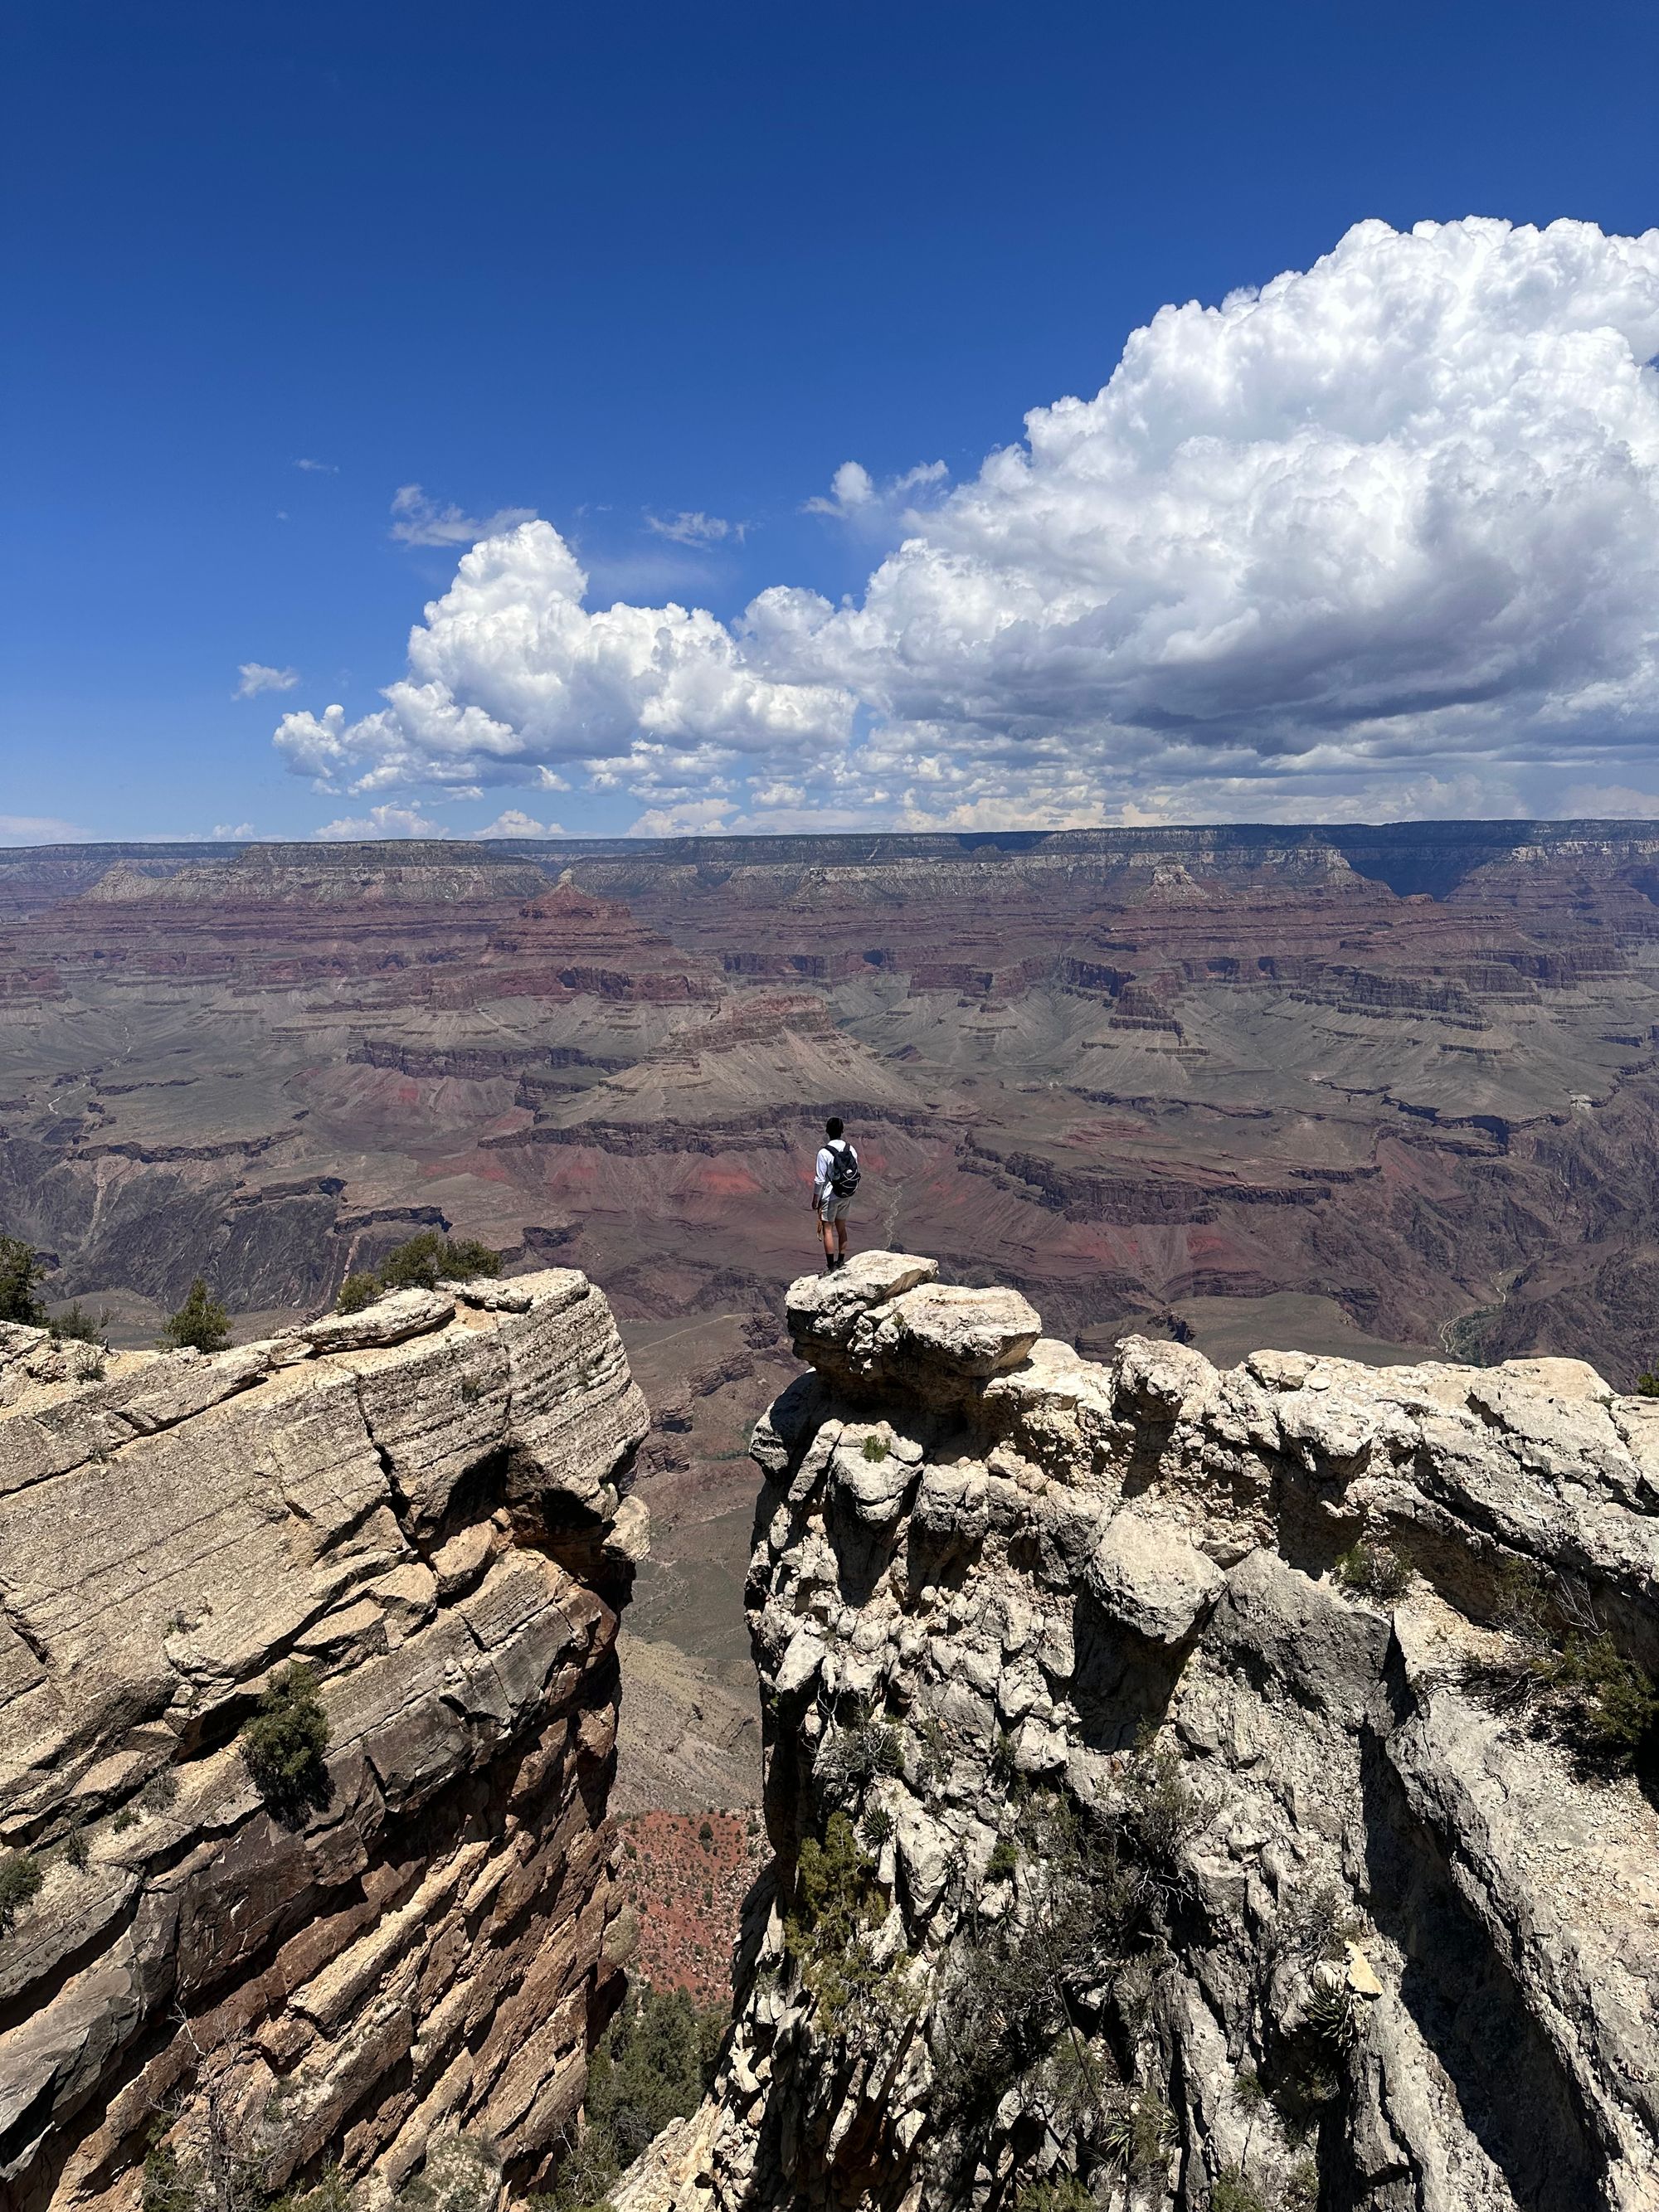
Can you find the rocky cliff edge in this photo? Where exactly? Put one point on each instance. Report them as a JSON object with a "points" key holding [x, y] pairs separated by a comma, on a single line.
{"points": [[1196, 1788], [423, 1502]]}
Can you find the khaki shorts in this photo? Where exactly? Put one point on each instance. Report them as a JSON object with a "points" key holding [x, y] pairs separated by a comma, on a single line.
{"points": [[831, 1208]]}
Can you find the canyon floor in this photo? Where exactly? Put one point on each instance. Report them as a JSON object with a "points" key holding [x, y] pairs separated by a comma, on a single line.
{"points": [[1365, 1092]]}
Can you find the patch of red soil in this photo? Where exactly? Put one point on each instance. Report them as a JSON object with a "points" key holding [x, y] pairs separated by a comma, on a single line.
{"points": [[686, 1875]]}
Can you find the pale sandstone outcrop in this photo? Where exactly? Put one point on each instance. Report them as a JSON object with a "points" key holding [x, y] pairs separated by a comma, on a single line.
{"points": [[422, 1501], [1041, 1557]]}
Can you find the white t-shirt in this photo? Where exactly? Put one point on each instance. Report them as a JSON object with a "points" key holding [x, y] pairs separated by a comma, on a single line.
{"points": [[824, 1168]]}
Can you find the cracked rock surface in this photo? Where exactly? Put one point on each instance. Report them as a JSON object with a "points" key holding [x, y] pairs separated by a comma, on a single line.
{"points": [[1119, 1834], [423, 1501]]}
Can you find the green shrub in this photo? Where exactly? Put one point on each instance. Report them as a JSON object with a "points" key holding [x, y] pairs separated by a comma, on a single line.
{"points": [[853, 1758], [1230, 2193], [126, 1818], [1064, 2193], [1566, 1672], [330, 2194], [654, 2064], [20, 1884], [1316, 1921], [20, 1271], [422, 1261], [76, 1849], [1372, 1570], [1647, 1385], [937, 1756], [837, 1901], [201, 1324], [1137, 2130], [161, 1791], [77, 1326], [419, 1263], [875, 1449], [461, 2174], [283, 1744], [1162, 1808], [168, 2184], [1301, 2190], [1002, 1862]]}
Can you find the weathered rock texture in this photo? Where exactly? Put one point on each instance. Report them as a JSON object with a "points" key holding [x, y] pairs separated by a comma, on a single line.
{"points": [[1335, 1874], [423, 1502]]}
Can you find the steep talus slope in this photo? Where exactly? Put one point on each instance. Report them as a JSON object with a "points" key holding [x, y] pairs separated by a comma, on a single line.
{"points": [[1120, 1834], [420, 1501]]}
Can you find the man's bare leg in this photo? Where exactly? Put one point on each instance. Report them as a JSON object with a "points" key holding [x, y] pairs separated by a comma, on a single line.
{"points": [[828, 1228], [841, 1231]]}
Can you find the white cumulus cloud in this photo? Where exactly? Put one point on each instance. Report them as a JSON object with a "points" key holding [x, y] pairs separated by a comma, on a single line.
{"points": [[512, 822], [256, 677], [695, 529], [381, 821], [418, 520], [1382, 534], [855, 497], [509, 674]]}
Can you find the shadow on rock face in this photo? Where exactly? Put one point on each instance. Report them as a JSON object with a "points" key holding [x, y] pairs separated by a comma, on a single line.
{"points": [[1124, 1683], [1510, 2090]]}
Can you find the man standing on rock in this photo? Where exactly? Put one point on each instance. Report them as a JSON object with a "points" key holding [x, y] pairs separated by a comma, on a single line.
{"points": [[835, 1179]]}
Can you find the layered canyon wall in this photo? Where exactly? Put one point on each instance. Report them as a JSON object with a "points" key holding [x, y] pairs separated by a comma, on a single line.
{"points": [[424, 1502], [1207, 1787]]}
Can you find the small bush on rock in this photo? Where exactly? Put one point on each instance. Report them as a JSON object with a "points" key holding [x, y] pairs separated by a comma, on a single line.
{"points": [[76, 1326], [1561, 1667], [1372, 1570], [19, 1885], [1065, 2193], [1231, 2192], [201, 1324], [654, 2064], [419, 1263], [854, 1758], [1002, 1862], [837, 1901], [285, 1742], [1163, 1808], [330, 2194], [875, 1449], [1301, 2190], [461, 2174]]}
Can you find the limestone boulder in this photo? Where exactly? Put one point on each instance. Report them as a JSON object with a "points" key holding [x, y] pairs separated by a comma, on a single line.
{"points": [[1149, 1576]]}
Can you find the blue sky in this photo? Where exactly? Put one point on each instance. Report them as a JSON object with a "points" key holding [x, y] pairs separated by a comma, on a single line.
{"points": [[610, 263]]}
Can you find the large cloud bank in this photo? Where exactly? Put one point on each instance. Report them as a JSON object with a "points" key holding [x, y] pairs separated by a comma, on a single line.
{"points": [[1381, 538]]}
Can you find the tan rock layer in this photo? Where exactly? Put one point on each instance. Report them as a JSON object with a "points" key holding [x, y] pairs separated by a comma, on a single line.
{"points": [[425, 1502]]}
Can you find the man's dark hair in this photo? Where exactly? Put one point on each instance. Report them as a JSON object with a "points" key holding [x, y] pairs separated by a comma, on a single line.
{"points": [[832, 1127]]}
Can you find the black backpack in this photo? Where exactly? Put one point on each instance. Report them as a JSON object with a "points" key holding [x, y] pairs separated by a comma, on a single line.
{"points": [[844, 1175]]}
